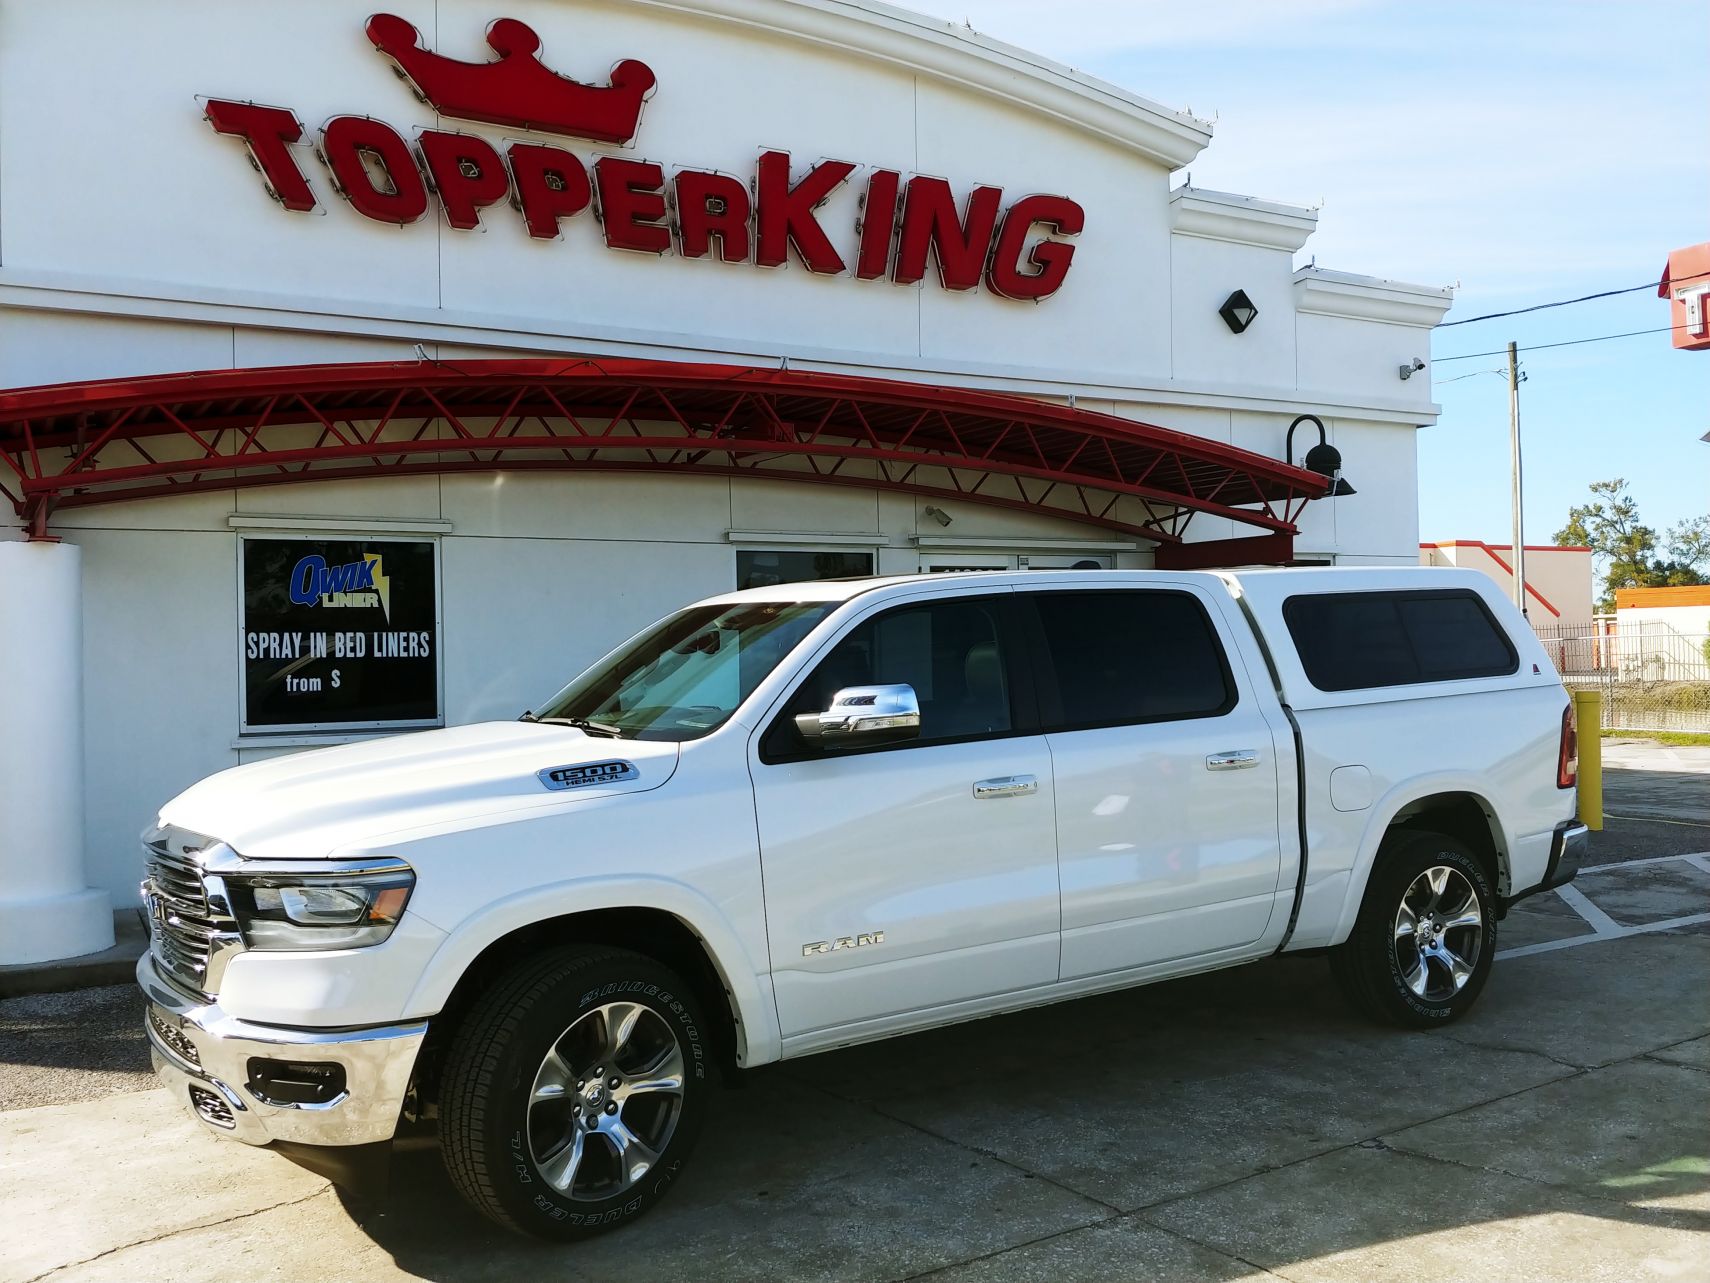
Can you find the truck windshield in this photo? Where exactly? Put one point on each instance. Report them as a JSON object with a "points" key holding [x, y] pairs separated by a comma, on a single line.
{"points": [[686, 675]]}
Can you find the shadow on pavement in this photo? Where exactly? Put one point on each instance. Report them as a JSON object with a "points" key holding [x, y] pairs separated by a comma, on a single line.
{"points": [[90, 1039], [1239, 1110]]}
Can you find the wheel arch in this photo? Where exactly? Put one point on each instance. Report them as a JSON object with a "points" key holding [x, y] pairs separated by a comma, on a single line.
{"points": [[1455, 807], [700, 947]]}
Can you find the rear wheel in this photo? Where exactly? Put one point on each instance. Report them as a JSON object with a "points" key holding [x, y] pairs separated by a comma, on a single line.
{"points": [[1421, 950], [574, 1091]]}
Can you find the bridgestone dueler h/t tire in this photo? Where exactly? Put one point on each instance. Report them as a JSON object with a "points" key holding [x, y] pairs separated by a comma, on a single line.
{"points": [[1367, 966], [490, 1074]]}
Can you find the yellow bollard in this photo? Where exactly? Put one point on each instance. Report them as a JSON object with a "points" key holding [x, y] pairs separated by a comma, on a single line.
{"points": [[1588, 716]]}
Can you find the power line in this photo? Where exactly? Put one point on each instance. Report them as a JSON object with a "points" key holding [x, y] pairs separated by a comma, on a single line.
{"points": [[1539, 347], [1539, 307], [1567, 302], [1437, 383]]}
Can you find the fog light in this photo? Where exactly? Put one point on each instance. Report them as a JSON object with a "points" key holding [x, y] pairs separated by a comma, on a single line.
{"points": [[296, 1082]]}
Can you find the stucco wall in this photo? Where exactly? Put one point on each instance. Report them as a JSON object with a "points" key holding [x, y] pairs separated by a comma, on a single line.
{"points": [[164, 253]]}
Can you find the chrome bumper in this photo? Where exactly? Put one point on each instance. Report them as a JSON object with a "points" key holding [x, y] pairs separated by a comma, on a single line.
{"points": [[1568, 846], [203, 1057]]}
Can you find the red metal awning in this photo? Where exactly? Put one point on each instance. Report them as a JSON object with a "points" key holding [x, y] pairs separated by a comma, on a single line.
{"points": [[74, 444]]}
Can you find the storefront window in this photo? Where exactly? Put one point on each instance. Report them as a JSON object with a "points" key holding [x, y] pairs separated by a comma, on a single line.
{"points": [[339, 634], [761, 569]]}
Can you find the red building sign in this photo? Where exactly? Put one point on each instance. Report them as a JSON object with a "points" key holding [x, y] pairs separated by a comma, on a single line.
{"points": [[905, 226], [1686, 284]]}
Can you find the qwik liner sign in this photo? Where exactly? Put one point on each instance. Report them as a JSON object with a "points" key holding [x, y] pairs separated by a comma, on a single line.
{"points": [[339, 633]]}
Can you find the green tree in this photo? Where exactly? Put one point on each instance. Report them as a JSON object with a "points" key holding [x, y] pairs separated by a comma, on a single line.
{"points": [[1627, 549]]}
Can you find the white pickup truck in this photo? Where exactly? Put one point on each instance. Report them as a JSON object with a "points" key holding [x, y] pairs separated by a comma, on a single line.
{"points": [[800, 817]]}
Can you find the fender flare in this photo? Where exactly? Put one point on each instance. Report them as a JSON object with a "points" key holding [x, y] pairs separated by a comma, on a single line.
{"points": [[1383, 813], [758, 1037]]}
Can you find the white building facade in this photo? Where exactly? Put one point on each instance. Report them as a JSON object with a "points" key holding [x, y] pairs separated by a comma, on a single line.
{"points": [[427, 268]]}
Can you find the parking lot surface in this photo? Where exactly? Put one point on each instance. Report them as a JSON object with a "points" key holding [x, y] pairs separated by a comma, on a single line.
{"points": [[1238, 1125]]}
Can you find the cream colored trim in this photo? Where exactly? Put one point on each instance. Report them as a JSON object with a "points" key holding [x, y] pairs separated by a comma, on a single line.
{"points": [[1027, 543], [337, 525], [959, 55], [1241, 220], [1367, 298], [804, 538], [64, 292]]}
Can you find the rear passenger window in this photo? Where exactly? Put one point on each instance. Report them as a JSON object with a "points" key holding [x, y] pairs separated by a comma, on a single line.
{"points": [[1125, 657], [1362, 640]]}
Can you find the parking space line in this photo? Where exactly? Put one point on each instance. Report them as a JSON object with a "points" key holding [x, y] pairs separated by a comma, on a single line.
{"points": [[1652, 819], [1600, 921], [1692, 858], [1604, 927], [1598, 937]]}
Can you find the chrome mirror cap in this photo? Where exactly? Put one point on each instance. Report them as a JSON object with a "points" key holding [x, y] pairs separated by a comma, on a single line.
{"points": [[864, 715]]}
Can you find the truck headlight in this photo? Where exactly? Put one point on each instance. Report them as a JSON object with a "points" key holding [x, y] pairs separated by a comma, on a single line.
{"points": [[344, 910]]}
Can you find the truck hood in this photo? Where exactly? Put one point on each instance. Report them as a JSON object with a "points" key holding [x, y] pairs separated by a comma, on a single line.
{"points": [[320, 803]]}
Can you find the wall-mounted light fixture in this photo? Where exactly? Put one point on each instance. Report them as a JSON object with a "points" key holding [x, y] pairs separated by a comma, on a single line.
{"points": [[1324, 458], [1410, 368], [937, 514], [1238, 311]]}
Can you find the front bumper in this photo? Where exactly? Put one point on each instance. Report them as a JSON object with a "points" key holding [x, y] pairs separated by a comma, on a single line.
{"points": [[203, 1057], [1568, 846]]}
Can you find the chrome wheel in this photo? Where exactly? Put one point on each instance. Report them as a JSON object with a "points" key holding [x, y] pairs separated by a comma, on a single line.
{"points": [[1438, 933], [605, 1101]]}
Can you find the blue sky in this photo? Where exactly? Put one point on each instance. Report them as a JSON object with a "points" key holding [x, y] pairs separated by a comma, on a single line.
{"points": [[1524, 151]]}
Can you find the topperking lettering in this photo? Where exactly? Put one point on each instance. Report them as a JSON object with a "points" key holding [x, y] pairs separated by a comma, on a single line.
{"points": [[905, 226]]}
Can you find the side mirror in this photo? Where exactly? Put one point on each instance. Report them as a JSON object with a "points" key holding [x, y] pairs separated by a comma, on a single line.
{"points": [[864, 715]]}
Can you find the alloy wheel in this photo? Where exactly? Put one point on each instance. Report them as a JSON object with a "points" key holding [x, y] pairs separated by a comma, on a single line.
{"points": [[605, 1101], [1438, 933]]}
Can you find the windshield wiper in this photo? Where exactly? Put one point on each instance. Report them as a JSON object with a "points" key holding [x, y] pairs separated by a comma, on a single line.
{"points": [[584, 725]]}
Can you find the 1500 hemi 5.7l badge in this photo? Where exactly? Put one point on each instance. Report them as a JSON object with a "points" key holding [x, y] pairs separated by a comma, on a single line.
{"points": [[575, 777]]}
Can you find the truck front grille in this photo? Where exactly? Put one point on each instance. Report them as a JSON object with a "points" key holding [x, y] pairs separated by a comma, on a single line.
{"points": [[188, 932]]}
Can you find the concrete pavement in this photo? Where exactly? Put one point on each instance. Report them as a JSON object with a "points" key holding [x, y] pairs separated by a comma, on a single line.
{"points": [[1236, 1126]]}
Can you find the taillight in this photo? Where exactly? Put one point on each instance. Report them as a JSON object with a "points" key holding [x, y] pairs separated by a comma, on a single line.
{"points": [[1567, 762]]}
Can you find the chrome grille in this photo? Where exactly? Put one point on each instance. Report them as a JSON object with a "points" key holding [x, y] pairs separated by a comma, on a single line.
{"points": [[182, 930], [181, 1046], [212, 1108]]}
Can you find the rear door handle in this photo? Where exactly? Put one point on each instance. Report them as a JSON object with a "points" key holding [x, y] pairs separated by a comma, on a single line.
{"points": [[1234, 759], [1006, 786]]}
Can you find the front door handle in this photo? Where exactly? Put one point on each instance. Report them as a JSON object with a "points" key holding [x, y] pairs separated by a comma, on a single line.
{"points": [[1006, 786], [1234, 759]]}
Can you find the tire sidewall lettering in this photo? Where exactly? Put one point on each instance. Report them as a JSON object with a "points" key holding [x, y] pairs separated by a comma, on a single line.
{"points": [[548, 1204], [1377, 939]]}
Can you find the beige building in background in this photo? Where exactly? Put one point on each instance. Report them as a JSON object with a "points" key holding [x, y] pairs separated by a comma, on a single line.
{"points": [[1558, 580]]}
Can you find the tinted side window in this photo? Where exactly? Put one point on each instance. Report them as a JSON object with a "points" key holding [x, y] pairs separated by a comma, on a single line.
{"points": [[951, 652], [1358, 641], [1125, 657], [1455, 637]]}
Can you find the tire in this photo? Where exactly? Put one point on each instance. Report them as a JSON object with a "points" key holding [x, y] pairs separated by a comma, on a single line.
{"points": [[518, 1092], [1423, 887]]}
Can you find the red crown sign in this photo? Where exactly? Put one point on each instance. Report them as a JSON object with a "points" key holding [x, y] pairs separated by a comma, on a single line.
{"points": [[516, 89]]}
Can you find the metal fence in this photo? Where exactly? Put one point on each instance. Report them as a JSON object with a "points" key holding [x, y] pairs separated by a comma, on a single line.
{"points": [[1652, 677]]}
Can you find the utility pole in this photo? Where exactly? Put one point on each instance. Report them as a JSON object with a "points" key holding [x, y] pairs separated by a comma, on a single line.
{"points": [[1519, 490]]}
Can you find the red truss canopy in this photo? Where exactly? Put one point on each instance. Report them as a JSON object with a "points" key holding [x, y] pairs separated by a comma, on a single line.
{"points": [[74, 444]]}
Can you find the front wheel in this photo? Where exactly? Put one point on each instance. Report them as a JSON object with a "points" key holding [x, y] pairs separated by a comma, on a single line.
{"points": [[1421, 950], [573, 1092]]}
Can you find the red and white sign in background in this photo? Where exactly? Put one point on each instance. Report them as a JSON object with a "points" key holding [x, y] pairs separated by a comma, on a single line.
{"points": [[1017, 251]]}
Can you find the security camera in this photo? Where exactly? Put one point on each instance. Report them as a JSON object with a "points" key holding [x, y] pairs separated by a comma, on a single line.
{"points": [[1407, 371]]}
